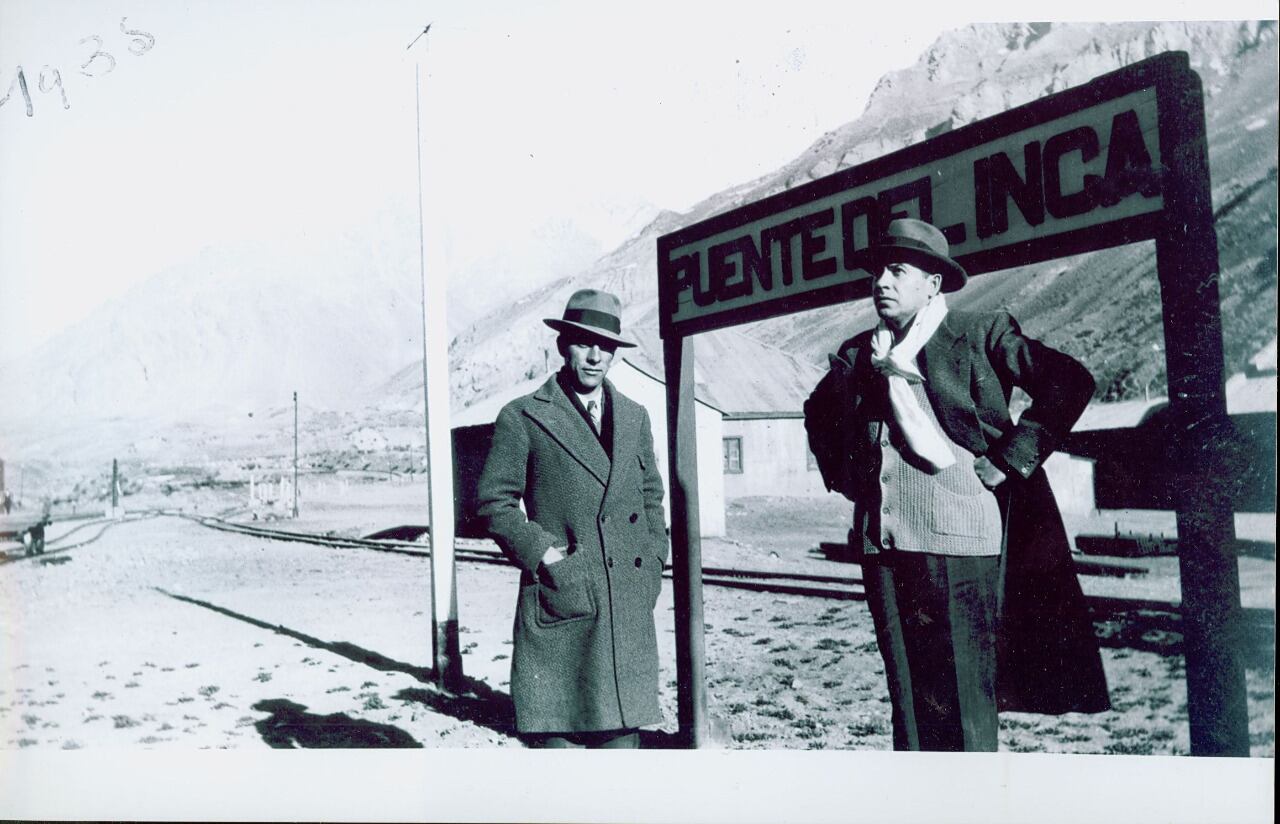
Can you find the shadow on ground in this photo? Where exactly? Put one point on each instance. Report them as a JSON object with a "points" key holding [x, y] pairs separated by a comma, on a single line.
{"points": [[1152, 626], [290, 726], [659, 740], [1130, 623], [474, 701]]}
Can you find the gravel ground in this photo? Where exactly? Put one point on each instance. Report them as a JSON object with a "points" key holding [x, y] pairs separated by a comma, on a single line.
{"points": [[166, 634]]}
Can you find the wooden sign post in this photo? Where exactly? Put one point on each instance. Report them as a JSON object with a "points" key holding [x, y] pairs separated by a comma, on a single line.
{"points": [[686, 544], [1118, 160]]}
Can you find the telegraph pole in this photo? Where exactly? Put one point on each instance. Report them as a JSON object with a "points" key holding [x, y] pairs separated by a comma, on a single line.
{"points": [[295, 454], [446, 652]]}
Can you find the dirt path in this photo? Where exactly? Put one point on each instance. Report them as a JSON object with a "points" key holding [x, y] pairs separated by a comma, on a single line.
{"points": [[163, 633]]}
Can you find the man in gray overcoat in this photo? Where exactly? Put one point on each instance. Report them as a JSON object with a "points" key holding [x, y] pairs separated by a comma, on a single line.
{"points": [[967, 569], [591, 541]]}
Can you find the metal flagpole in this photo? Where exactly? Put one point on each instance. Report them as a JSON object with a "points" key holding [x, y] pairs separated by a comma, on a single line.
{"points": [[446, 651], [295, 454]]}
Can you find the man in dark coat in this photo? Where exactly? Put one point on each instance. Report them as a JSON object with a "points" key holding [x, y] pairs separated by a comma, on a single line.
{"points": [[966, 562], [591, 542]]}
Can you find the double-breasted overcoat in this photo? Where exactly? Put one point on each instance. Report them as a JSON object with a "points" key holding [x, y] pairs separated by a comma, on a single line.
{"points": [[1047, 655], [585, 654]]}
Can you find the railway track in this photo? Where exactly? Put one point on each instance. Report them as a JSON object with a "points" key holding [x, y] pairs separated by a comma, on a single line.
{"points": [[55, 546], [833, 587], [480, 551], [784, 583]]}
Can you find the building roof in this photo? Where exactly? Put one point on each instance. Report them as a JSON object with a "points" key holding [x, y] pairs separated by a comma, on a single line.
{"points": [[743, 375], [1245, 394], [1253, 390], [1252, 394], [1118, 415], [763, 416], [485, 410], [1264, 362]]}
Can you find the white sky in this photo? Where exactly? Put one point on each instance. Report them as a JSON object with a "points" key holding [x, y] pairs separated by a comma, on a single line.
{"points": [[256, 119]]}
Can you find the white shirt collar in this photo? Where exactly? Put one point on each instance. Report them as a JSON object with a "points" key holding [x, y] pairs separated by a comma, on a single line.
{"points": [[597, 395]]}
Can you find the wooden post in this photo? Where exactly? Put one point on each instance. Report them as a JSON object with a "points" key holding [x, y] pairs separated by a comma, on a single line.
{"points": [[115, 485], [1211, 617], [686, 543], [1187, 263], [446, 651]]}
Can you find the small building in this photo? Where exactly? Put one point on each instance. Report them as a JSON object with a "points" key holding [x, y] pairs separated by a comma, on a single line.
{"points": [[473, 435], [367, 439], [767, 453], [762, 390], [1117, 455]]}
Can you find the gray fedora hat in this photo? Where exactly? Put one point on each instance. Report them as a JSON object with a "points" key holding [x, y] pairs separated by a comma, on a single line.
{"points": [[592, 311], [921, 244]]}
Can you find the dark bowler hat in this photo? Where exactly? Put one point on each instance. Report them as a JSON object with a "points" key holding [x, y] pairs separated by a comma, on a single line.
{"points": [[921, 244], [594, 312]]}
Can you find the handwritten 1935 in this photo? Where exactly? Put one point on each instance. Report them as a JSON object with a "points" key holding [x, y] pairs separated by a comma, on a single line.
{"points": [[98, 62]]}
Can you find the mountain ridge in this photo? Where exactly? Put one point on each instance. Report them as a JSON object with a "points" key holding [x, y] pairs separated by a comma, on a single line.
{"points": [[954, 83], [242, 332]]}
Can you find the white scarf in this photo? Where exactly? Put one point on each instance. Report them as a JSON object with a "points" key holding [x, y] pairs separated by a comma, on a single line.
{"points": [[898, 364]]}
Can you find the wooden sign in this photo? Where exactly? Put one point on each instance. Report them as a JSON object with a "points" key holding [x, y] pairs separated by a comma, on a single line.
{"points": [[1076, 171]]}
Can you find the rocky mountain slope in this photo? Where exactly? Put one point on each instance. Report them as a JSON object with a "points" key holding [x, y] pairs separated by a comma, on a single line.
{"points": [[240, 327], [1102, 307], [236, 331]]}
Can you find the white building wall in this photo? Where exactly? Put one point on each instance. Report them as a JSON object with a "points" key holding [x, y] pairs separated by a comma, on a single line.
{"points": [[711, 497], [1071, 479], [775, 459], [652, 395], [775, 452]]}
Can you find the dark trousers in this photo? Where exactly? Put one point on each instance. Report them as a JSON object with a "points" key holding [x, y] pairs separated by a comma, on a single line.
{"points": [[935, 622], [604, 740]]}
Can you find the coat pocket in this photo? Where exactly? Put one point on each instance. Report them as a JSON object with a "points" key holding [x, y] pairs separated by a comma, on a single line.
{"points": [[964, 515], [564, 593]]}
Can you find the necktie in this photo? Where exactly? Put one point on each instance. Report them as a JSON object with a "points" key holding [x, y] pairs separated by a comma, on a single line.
{"points": [[593, 411]]}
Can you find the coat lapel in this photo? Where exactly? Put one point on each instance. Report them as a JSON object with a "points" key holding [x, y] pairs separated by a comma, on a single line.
{"points": [[937, 348], [948, 370], [626, 428], [555, 413], [940, 363]]}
